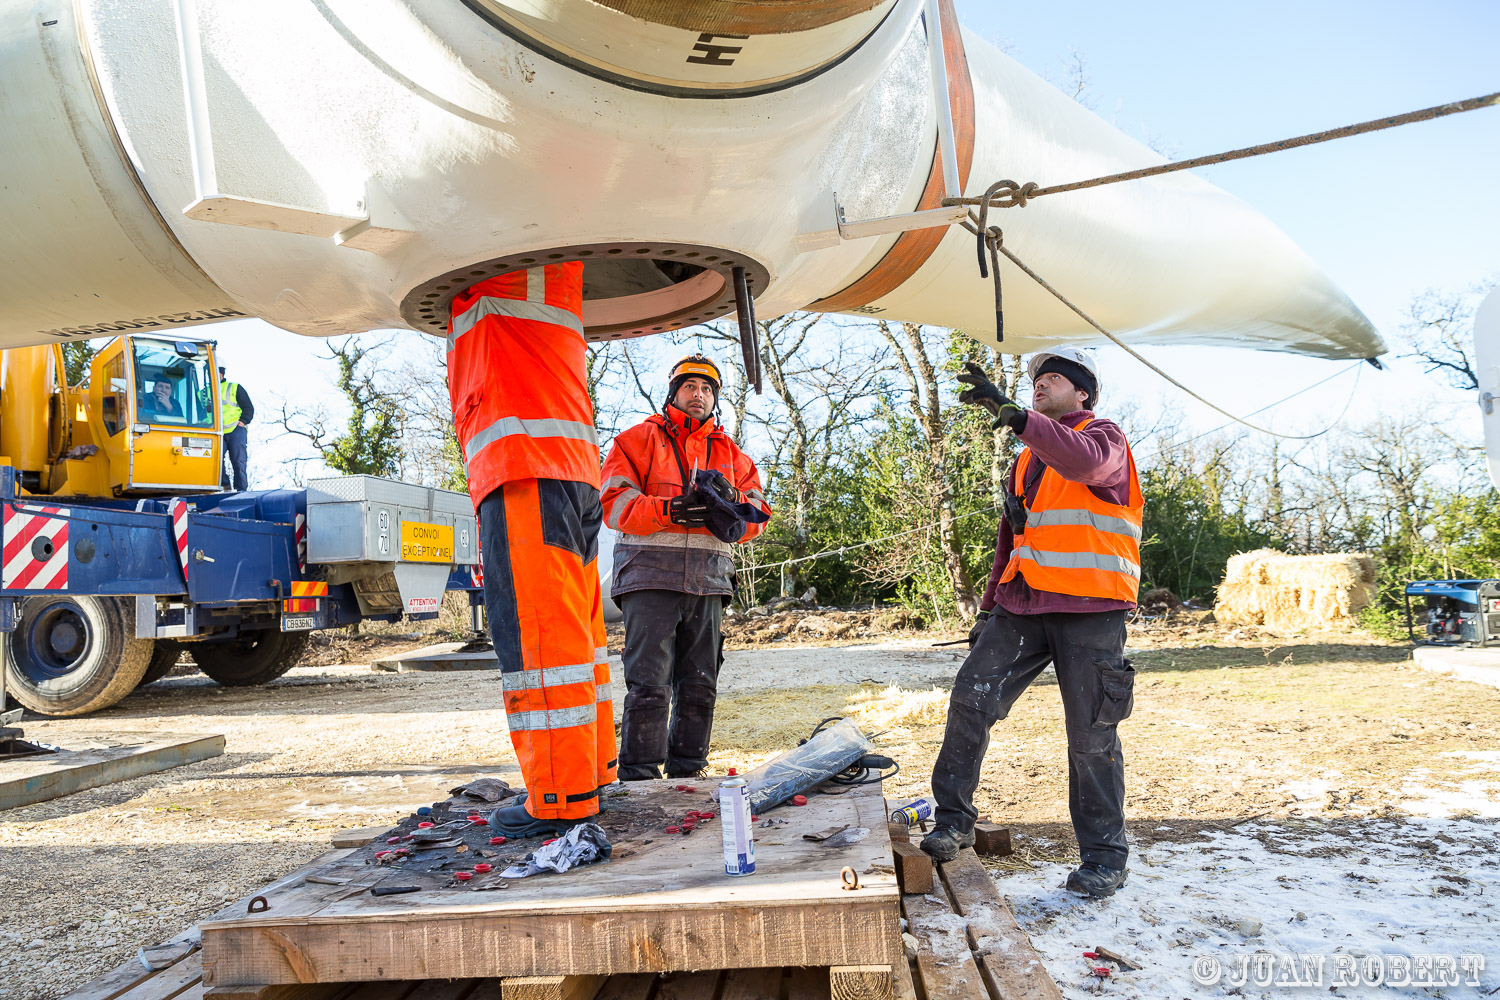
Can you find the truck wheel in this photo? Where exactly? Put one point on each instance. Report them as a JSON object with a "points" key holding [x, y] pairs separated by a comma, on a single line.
{"points": [[163, 658], [250, 657], [73, 655]]}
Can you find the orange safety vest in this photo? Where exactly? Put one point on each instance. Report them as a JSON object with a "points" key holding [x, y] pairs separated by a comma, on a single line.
{"points": [[1075, 543], [516, 378]]}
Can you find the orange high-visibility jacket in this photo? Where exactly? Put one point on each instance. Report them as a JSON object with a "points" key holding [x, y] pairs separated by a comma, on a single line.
{"points": [[516, 376], [1075, 543], [648, 466]]}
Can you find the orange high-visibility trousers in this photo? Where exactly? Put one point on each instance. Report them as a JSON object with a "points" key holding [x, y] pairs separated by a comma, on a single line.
{"points": [[540, 541]]}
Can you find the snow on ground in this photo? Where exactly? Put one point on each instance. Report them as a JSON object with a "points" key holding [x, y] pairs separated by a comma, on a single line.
{"points": [[1233, 914]]}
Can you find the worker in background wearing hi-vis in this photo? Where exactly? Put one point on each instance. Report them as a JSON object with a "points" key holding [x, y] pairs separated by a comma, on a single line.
{"points": [[679, 491], [235, 413], [1067, 568], [522, 414]]}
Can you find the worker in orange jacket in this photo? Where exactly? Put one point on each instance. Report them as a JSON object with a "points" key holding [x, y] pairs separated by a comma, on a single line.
{"points": [[522, 414], [679, 492]]}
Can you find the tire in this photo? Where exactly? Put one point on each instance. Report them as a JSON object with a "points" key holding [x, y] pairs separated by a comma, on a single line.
{"points": [[251, 657], [71, 655], [163, 658]]}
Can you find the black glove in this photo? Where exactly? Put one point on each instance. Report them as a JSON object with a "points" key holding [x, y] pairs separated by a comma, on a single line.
{"points": [[722, 487], [987, 394], [687, 510], [979, 621]]}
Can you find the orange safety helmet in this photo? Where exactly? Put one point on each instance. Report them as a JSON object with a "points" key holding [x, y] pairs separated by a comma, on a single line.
{"points": [[694, 365]]}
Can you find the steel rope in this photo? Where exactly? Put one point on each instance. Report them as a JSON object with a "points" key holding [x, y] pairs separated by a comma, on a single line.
{"points": [[1009, 194]]}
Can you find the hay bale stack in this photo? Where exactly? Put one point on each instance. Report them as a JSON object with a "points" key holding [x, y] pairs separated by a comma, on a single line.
{"points": [[1283, 592]]}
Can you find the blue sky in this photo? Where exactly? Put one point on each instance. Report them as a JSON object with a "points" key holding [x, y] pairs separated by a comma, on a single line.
{"points": [[1388, 215]]}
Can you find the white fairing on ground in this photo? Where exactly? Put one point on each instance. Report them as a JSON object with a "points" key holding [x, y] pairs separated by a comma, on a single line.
{"points": [[607, 538], [1487, 370], [366, 149]]}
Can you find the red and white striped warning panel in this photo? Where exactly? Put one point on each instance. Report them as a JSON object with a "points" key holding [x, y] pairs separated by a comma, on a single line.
{"points": [[179, 533], [35, 547]]}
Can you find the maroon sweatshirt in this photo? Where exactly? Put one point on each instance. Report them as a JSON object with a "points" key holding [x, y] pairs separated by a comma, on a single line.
{"points": [[1095, 457]]}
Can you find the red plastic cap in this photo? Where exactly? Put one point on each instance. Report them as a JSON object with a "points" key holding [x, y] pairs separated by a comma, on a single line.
{"points": [[424, 826], [497, 840], [705, 817], [799, 800], [733, 772], [463, 876], [672, 829], [393, 840], [483, 869]]}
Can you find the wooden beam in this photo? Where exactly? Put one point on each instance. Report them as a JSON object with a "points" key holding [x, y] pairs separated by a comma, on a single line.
{"points": [[906, 988], [168, 983], [913, 868], [861, 982], [752, 984], [1009, 964], [944, 961], [991, 839], [358, 836], [630, 986], [807, 983], [37, 779], [550, 987]]}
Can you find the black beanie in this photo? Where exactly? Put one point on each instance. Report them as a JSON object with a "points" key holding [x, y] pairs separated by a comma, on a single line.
{"points": [[1075, 373]]}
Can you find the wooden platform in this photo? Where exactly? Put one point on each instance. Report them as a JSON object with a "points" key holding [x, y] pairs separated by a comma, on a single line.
{"points": [[93, 759], [664, 904], [969, 946]]}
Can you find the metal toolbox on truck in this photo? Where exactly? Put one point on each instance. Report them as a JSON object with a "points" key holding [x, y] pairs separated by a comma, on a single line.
{"points": [[396, 542]]}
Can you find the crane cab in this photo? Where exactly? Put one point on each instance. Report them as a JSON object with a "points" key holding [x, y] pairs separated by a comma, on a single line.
{"points": [[154, 414]]}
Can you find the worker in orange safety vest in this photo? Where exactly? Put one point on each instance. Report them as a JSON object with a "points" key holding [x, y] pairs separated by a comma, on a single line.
{"points": [[673, 571], [1067, 567], [522, 414]]}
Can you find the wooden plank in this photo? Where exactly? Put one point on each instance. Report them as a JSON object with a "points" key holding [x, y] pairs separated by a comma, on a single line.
{"points": [[358, 836], [663, 906], [752, 984], [91, 760], [445, 989], [121, 979], [628, 986], [308, 991], [689, 985], [944, 960], [900, 833], [861, 982], [913, 868], [805, 983], [906, 988], [991, 839], [551, 987], [168, 983], [1009, 964]]}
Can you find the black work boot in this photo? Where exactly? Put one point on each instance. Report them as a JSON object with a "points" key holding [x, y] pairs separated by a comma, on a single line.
{"points": [[944, 843], [517, 821], [1096, 880]]}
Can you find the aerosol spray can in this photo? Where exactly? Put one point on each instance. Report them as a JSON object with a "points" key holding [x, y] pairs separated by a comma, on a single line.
{"points": [[913, 813], [734, 822]]}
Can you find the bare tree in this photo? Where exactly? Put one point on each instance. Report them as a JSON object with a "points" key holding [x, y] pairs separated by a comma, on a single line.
{"points": [[914, 357], [1440, 333]]}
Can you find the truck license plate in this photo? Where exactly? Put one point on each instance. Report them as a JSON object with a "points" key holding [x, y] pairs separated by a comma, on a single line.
{"points": [[422, 542], [298, 623]]}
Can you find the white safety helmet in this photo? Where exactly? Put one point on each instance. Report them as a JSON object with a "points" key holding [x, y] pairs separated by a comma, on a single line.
{"points": [[1077, 355]]}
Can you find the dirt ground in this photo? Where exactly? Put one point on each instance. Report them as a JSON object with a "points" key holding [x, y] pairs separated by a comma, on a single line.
{"points": [[1228, 726]]}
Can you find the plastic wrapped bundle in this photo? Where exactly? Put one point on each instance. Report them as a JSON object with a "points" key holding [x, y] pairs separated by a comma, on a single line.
{"points": [[819, 759]]}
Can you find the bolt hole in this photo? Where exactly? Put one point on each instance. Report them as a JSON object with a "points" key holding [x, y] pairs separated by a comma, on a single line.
{"points": [[528, 260], [615, 250], [644, 250]]}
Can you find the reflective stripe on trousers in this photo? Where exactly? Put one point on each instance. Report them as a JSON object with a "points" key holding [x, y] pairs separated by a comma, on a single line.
{"points": [[1083, 518], [1078, 560]]}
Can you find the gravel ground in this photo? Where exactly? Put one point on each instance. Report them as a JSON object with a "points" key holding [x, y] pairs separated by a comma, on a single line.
{"points": [[1228, 726]]}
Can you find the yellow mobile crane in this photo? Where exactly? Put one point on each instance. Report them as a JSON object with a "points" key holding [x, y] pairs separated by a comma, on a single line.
{"points": [[146, 422]]}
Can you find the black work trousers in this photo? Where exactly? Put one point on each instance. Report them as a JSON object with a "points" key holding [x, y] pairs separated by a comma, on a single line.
{"points": [[1096, 682], [673, 649]]}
